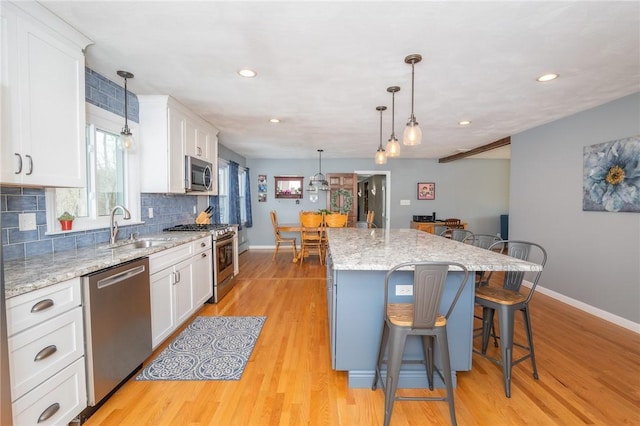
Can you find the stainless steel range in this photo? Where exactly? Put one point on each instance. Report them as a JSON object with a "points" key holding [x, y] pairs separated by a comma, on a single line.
{"points": [[225, 258]]}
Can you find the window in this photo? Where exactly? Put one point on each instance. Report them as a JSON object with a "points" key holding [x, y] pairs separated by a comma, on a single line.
{"points": [[223, 191], [242, 189], [111, 178]]}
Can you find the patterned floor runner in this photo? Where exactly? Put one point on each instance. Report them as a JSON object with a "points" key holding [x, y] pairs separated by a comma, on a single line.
{"points": [[210, 348]]}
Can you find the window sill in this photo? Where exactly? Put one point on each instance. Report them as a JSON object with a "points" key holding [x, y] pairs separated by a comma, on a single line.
{"points": [[83, 229]]}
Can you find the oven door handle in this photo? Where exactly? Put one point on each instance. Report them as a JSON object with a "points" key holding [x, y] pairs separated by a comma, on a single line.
{"points": [[225, 238]]}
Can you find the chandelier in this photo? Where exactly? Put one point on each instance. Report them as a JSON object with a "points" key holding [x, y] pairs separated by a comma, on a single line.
{"points": [[318, 181]]}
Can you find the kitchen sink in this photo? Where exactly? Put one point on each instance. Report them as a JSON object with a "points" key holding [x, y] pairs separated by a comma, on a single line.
{"points": [[139, 244]]}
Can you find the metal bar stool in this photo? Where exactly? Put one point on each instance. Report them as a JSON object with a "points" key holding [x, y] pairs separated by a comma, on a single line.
{"points": [[506, 300], [420, 317]]}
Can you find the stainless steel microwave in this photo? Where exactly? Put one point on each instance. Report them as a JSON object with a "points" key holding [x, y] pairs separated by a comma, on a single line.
{"points": [[198, 174]]}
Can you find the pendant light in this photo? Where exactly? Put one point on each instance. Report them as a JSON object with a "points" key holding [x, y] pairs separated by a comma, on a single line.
{"points": [[127, 137], [412, 133], [318, 181], [381, 156], [393, 147]]}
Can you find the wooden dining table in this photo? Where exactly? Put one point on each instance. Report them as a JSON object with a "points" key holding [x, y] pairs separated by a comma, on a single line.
{"points": [[291, 227]]}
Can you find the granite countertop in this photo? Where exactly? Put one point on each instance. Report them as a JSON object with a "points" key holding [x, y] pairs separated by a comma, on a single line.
{"points": [[23, 276], [381, 249]]}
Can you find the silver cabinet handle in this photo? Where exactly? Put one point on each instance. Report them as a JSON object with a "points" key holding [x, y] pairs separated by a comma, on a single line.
{"points": [[42, 305], [175, 278], [178, 275], [30, 165], [19, 163], [46, 352], [122, 276], [49, 412]]}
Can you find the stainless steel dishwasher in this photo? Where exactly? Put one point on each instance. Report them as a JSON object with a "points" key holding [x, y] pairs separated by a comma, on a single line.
{"points": [[117, 315]]}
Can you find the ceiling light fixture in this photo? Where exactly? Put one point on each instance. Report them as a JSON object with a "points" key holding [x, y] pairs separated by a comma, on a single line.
{"points": [[412, 133], [318, 181], [464, 122], [247, 73], [547, 77], [393, 147], [381, 156], [274, 120], [127, 137]]}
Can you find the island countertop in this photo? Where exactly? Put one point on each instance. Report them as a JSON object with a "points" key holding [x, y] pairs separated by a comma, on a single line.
{"points": [[381, 249]]}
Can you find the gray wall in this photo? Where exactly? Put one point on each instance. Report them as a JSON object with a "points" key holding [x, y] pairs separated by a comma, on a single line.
{"points": [[594, 257], [475, 191]]}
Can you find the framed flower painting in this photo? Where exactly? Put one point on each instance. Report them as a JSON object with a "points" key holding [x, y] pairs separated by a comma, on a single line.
{"points": [[611, 180]]}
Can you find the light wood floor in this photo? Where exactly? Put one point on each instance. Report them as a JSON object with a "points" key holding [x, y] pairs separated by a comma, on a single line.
{"points": [[589, 369]]}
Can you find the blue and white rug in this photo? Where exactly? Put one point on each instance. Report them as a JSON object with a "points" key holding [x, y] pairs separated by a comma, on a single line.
{"points": [[210, 348]]}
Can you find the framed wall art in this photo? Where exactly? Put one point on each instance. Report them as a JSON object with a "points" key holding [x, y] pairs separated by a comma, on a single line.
{"points": [[426, 191], [611, 176]]}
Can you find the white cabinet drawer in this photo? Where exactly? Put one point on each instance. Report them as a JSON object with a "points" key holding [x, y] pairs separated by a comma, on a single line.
{"points": [[40, 305], [202, 244], [56, 343], [56, 401], [166, 258]]}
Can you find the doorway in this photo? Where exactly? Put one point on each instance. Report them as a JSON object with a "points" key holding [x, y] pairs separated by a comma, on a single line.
{"points": [[374, 193]]}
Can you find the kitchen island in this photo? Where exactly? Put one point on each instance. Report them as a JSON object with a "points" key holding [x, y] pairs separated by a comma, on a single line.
{"points": [[357, 262]]}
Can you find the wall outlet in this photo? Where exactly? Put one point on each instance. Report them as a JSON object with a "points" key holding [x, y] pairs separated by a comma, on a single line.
{"points": [[405, 202], [404, 290], [150, 212], [27, 222]]}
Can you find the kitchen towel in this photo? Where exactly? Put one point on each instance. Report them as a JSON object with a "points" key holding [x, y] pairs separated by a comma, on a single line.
{"points": [[210, 348]]}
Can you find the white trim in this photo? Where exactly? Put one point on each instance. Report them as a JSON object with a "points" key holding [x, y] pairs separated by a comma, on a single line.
{"points": [[387, 190], [602, 314]]}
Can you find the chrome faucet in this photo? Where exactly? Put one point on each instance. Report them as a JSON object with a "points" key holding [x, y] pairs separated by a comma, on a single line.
{"points": [[114, 224]]}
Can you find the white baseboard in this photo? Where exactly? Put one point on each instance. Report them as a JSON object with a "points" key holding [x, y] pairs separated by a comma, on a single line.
{"points": [[607, 316]]}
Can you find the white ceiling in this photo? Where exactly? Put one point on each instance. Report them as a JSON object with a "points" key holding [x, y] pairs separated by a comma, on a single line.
{"points": [[323, 67]]}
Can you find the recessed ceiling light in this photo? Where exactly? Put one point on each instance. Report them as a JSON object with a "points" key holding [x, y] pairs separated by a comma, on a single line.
{"points": [[547, 77], [247, 73], [274, 120], [464, 122]]}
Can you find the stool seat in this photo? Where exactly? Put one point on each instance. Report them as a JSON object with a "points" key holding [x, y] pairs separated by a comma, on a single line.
{"points": [[500, 295], [402, 314]]}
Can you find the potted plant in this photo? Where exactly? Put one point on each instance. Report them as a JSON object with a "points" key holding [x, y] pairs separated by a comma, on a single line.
{"points": [[66, 220]]}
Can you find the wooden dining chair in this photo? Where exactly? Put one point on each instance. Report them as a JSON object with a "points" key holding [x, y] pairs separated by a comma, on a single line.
{"points": [[312, 235], [370, 215], [279, 238]]}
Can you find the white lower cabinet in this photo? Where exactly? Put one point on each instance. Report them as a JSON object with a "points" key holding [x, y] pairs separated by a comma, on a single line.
{"points": [[57, 401], [202, 273], [46, 355], [177, 279]]}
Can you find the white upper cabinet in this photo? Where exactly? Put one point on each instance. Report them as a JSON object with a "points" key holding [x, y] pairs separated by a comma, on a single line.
{"points": [[168, 132], [43, 99]]}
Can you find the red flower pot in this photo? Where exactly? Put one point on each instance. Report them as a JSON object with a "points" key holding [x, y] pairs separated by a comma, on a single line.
{"points": [[66, 225]]}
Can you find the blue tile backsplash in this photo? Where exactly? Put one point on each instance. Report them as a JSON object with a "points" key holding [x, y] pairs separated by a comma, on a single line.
{"points": [[168, 209]]}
